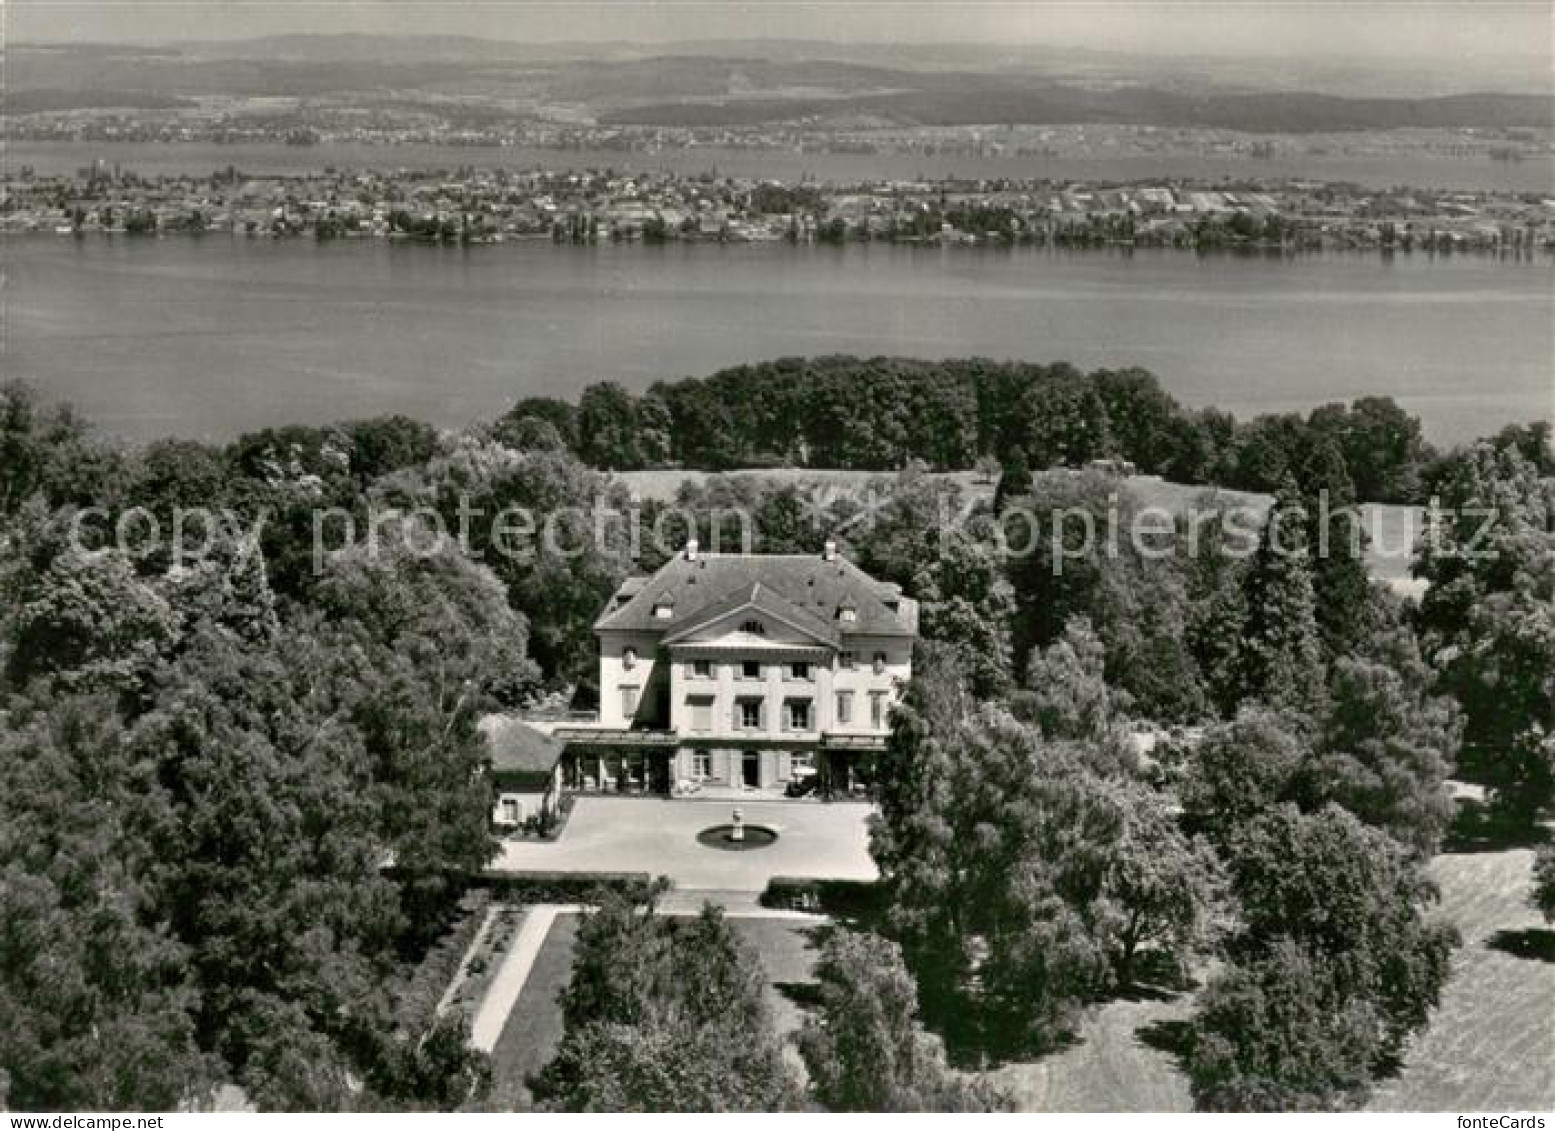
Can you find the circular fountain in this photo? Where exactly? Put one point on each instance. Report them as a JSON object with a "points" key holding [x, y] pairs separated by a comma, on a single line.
{"points": [[737, 836]]}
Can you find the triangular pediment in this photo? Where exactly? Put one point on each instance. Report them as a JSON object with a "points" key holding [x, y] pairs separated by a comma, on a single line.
{"points": [[752, 619]]}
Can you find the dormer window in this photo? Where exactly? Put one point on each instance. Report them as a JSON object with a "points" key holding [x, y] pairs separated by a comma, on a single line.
{"points": [[754, 628], [664, 607], [847, 614]]}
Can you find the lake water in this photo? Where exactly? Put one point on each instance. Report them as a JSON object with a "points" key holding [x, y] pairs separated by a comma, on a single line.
{"points": [[1412, 167], [207, 337]]}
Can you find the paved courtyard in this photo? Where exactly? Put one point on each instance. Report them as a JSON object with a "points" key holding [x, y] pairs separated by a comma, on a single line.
{"points": [[636, 834]]}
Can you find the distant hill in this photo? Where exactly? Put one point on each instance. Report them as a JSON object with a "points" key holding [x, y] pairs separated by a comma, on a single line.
{"points": [[968, 101], [755, 82], [35, 101]]}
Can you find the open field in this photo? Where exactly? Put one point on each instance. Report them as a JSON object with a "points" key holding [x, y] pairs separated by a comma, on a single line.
{"points": [[1391, 528], [1491, 1044], [1115, 1064]]}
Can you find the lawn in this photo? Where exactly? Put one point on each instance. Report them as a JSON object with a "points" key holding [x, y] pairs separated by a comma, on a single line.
{"points": [[1490, 1046], [534, 1028], [1117, 1063]]}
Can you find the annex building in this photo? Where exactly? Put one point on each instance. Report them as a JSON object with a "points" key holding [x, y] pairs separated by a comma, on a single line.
{"points": [[743, 672]]}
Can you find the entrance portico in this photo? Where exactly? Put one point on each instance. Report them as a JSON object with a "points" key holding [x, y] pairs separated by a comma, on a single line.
{"points": [[665, 763]]}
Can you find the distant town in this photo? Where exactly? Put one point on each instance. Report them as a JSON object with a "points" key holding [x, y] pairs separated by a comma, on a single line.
{"points": [[484, 206]]}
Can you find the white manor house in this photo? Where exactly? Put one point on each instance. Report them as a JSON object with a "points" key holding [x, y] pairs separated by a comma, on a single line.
{"points": [[743, 672]]}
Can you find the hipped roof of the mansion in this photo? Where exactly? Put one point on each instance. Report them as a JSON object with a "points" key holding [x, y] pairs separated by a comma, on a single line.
{"points": [[823, 595]]}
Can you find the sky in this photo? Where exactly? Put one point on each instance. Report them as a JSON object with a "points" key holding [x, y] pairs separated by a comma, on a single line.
{"points": [[1397, 29]]}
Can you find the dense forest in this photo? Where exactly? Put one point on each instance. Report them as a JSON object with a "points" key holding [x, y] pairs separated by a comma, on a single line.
{"points": [[883, 413], [208, 761], [1037, 861]]}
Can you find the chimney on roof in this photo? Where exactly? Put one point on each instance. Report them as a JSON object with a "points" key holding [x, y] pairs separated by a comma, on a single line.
{"points": [[691, 549], [829, 551]]}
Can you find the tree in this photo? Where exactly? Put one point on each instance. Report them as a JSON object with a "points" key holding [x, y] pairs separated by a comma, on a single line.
{"points": [[87, 620], [1069, 425], [385, 444], [170, 474], [1066, 692], [935, 702], [1266, 453], [1145, 423], [1279, 1035], [270, 865], [192, 858], [1488, 619], [607, 427], [1543, 895], [664, 1014], [1381, 444], [1239, 771], [1385, 746], [901, 523], [863, 1045], [227, 586], [1014, 479], [529, 434], [1014, 866], [1336, 541], [49, 452], [1073, 552], [653, 426], [1217, 612], [968, 603], [1382, 749], [432, 644], [1334, 965], [96, 1010], [1163, 889], [557, 571], [1281, 657], [785, 523]]}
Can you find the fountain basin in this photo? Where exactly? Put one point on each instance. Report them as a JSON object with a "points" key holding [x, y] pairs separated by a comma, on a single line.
{"points": [[723, 837]]}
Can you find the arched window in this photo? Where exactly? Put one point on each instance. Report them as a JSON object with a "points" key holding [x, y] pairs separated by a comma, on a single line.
{"points": [[629, 659], [754, 627]]}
